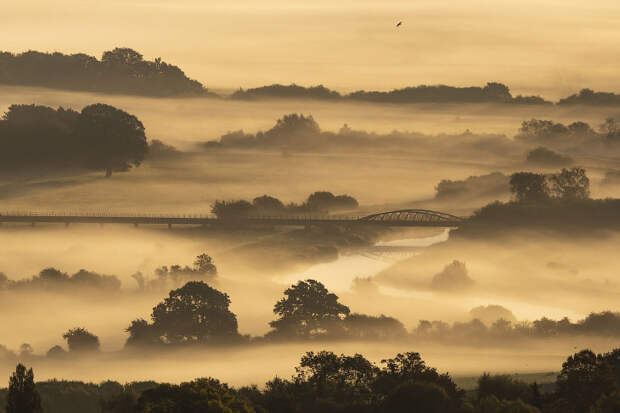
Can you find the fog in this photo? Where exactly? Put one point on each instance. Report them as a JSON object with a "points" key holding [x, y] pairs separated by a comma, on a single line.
{"points": [[513, 271], [532, 274], [568, 45]]}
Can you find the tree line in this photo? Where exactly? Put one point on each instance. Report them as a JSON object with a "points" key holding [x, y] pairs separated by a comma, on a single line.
{"points": [[198, 314], [266, 205], [558, 200], [327, 382], [124, 70], [541, 142], [53, 280], [492, 92], [121, 70]]}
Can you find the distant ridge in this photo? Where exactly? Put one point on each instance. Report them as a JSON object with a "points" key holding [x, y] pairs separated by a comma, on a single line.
{"points": [[121, 70], [125, 71]]}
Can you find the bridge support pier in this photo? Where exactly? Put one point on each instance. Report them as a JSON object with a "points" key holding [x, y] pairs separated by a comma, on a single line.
{"points": [[135, 225], [169, 226], [67, 224], [32, 224]]}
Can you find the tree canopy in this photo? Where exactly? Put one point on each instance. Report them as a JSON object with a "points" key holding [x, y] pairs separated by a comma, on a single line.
{"points": [[100, 137], [81, 340], [23, 396], [194, 313], [308, 309]]}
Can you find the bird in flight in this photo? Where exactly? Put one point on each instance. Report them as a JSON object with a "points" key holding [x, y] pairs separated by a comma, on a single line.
{"points": [[400, 23]]}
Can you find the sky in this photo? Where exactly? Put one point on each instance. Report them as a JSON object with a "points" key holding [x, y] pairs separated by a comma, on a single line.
{"points": [[548, 47]]}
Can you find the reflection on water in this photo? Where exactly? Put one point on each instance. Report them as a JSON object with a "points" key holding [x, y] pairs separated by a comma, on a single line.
{"points": [[338, 275]]}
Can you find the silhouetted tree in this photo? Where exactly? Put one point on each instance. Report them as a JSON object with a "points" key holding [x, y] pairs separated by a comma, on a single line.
{"points": [[570, 184], [56, 352], [586, 377], [81, 340], [529, 186], [100, 137], [474, 186], [141, 334], [326, 201], [590, 97], [204, 264], [291, 128], [267, 204], [504, 387], [363, 326], [546, 157], [201, 395], [423, 386], [23, 396], [453, 277], [114, 138], [195, 313], [308, 309], [232, 209]]}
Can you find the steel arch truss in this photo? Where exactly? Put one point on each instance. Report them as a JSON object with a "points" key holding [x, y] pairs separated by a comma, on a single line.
{"points": [[421, 216]]}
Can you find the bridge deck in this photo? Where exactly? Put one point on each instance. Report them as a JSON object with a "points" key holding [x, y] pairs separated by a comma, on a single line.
{"points": [[210, 220]]}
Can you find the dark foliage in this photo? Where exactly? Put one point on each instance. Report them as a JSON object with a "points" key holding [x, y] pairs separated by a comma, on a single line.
{"points": [[590, 97], [292, 91], [308, 309], [454, 277], [100, 137], [23, 396], [203, 269], [201, 395], [81, 340], [121, 70], [604, 324], [567, 185], [194, 313], [53, 280], [296, 132], [546, 157], [330, 383], [320, 202], [491, 93], [482, 186]]}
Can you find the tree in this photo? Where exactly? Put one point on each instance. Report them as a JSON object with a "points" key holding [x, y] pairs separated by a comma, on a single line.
{"points": [[308, 309], [81, 340], [570, 184], [268, 204], [454, 277], [417, 397], [586, 376], [201, 395], [121, 56], [204, 264], [341, 379], [410, 366], [326, 201], [546, 157], [529, 187], [115, 140], [232, 209], [610, 129], [363, 326], [23, 396], [195, 313], [141, 333]]}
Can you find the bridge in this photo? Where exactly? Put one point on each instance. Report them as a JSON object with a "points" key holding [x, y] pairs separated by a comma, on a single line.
{"points": [[401, 218]]}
